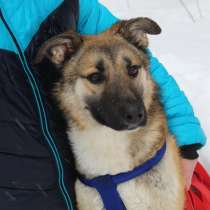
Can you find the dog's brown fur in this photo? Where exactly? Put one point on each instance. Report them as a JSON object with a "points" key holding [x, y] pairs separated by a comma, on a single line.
{"points": [[98, 148]]}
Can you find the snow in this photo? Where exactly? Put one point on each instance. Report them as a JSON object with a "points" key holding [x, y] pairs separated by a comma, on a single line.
{"points": [[183, 47]]}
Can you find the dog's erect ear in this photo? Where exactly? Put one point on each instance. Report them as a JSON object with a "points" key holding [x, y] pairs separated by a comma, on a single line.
{"points": [[59, 48], [135, 30]]}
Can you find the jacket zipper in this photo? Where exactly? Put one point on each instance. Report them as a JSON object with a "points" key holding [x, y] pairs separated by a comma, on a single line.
{"points": [[42, 115]]}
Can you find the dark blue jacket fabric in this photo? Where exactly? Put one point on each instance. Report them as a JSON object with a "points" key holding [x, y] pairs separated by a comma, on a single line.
{"points": [[37, 170]]}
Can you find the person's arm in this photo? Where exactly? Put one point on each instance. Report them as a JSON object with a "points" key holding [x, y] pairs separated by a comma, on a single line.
{"points": [[182, 122]]}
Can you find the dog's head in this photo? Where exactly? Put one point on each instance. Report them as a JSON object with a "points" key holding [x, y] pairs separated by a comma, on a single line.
{"points": [[105, 78]]}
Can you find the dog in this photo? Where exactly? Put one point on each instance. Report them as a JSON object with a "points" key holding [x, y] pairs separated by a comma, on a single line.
{"points": [[115, 119]]}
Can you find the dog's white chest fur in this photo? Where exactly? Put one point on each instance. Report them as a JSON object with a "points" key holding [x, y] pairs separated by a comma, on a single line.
{"points": [[108, 153], [101, 152]]}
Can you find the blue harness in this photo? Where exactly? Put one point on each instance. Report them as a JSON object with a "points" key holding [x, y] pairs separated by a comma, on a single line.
{"points": [[107, 185]]}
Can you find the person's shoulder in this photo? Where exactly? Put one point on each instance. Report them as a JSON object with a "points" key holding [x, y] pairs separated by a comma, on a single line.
{"points": [[94, 17]]}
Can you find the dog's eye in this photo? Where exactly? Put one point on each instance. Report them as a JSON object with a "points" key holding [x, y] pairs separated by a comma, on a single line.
{"points": [[133, 70], [96, 78]]}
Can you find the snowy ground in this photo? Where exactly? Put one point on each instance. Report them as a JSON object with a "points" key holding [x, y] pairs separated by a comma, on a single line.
{"points": [[183, 47]]}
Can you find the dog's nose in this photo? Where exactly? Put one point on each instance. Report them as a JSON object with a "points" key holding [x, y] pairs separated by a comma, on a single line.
{"points": [[134, 116]]}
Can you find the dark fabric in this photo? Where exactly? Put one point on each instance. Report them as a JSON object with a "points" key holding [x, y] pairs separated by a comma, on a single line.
{"points": [[107, 185], [28, 176], [62, 19], [190, 151], [33, 199]]}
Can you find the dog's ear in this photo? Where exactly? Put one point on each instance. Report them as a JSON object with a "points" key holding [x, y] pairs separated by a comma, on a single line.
{"points": [[135, 30], [59, 48]]}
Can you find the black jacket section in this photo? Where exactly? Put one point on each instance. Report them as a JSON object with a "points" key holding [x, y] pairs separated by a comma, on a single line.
{"points": [[23, 153], [190, 151], [62, 19], [40, 199], [28, 177], [25, 159]]}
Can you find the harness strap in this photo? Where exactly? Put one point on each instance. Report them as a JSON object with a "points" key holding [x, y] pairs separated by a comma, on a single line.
{"points": [[107, 185], [107, 189]]}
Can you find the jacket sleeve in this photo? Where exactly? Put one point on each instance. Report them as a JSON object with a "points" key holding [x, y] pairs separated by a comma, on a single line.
{"points": [[182, 122], [94, 18]]}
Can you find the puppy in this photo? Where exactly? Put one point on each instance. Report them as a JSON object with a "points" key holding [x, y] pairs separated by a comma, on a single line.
{"points": [[115, 120]]}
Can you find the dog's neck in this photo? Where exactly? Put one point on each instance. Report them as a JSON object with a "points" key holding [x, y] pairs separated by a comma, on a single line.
{"points": [[113, 151]]}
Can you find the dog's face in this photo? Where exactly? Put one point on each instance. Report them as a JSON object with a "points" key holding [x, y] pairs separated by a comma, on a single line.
{"points": [[105, 77]]}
